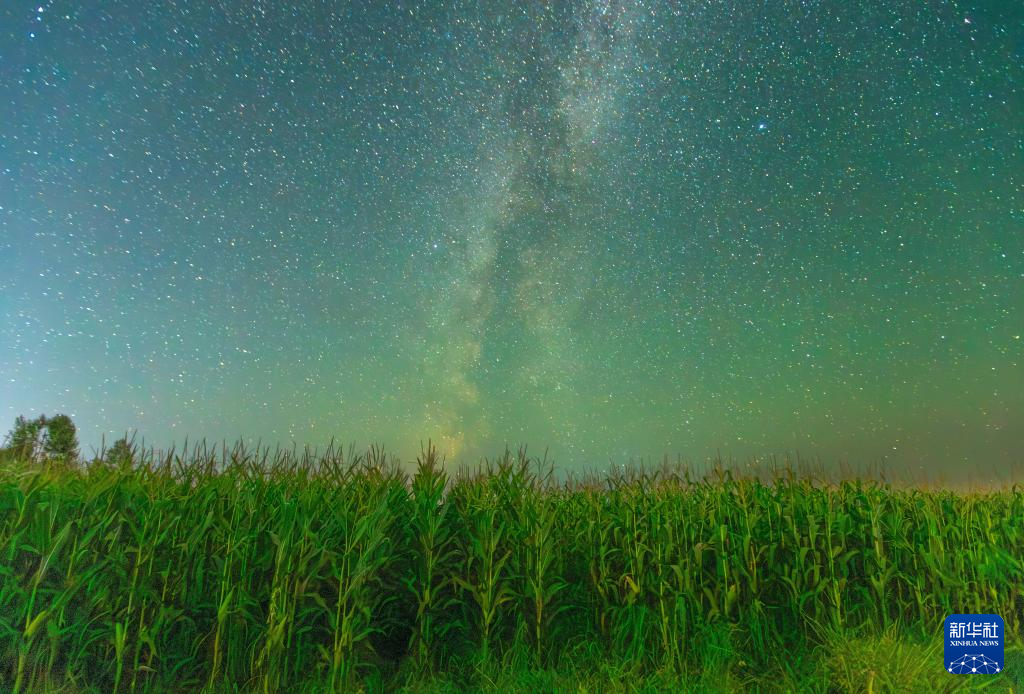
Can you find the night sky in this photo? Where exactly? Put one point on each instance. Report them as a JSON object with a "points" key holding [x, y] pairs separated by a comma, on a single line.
{"points": [[609, 229]]}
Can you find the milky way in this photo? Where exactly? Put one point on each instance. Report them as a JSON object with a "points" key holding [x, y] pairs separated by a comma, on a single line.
{"points": [[608, 229]]}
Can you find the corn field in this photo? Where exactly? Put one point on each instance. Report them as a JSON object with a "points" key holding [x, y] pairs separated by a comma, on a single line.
{"points": [[241, 571]]}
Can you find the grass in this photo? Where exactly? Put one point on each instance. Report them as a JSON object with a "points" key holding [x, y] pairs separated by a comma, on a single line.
{"points": [[239, 571]]}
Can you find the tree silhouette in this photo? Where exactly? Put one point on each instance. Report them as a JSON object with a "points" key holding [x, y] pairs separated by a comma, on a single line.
{"points": [[24, 439], [54, 437], [120, 453], [61, 441]]}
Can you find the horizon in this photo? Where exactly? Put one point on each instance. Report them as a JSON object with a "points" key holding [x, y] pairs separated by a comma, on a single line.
{"points": [[978, 476]]}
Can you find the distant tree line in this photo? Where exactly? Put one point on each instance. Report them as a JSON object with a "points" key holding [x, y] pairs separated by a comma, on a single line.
{"points": [[56, 438], [42, 437]]}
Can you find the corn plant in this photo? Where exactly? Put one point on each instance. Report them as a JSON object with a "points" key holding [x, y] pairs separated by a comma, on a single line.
{"points": [[430, 579]]}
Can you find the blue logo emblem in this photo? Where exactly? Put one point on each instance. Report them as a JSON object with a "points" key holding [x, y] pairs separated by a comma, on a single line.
{"points": [[974, 644]]}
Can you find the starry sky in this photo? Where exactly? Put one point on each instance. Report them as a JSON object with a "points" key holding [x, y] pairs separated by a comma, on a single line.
{"points": [[611, 229]]}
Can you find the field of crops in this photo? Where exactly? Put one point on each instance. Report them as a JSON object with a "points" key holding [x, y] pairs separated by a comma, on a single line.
{"points": [[236, 571]]}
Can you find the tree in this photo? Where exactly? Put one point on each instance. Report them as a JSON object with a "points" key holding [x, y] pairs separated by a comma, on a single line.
{"points": [[61, 441], [120, 453], [24, 439]]}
